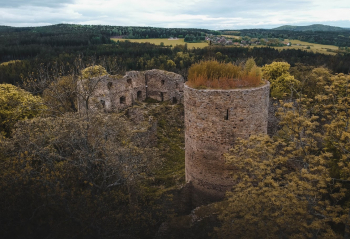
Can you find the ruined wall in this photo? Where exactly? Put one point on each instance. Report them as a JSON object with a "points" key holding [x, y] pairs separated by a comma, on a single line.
{"points": [[164, 86], [213, 120], [113, 93]]}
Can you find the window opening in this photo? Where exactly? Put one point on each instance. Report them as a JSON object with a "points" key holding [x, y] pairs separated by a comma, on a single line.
{"points": [[174, 100], [103, 103], [139, 95], [226, 117], [109, 85], [122, 100]]}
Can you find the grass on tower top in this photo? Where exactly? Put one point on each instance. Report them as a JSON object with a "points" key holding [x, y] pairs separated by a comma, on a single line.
{"points": [[217, 75]]}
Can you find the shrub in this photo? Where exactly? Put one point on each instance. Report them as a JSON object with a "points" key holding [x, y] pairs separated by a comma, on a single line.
{"points": [[216, 75]]}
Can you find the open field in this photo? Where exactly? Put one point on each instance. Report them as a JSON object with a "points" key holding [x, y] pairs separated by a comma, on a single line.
{"points": [[296, 44], [317, 48], [302, 45], [9, 62], [231, 36], [166, 42]]}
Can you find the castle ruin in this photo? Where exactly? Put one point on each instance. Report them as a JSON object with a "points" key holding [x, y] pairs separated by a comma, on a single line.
{"points": [[214, 119], [113, 93]]}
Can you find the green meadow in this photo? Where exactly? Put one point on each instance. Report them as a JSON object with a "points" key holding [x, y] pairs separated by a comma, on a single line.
{"points": [[166, 41]]}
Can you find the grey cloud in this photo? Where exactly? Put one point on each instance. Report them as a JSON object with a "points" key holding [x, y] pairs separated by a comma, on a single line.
{"points": [[222, 14], [36, 3]]}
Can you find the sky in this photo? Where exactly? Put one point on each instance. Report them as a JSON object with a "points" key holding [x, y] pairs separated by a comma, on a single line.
{"points": [[207, 14]]}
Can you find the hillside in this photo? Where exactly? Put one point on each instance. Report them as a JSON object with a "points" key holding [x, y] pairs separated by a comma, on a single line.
{"points": [[314, 27]]}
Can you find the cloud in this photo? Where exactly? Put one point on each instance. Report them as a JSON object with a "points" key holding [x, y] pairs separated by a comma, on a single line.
{"points": [[209, 14], [36, 16], [37, 3]]}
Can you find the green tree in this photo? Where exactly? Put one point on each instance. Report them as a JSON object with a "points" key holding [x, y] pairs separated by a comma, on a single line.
{"points": [[170, 65]]}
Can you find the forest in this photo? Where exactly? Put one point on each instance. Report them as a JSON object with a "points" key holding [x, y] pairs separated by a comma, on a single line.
{"points": [[30, 47], [70, 174]]}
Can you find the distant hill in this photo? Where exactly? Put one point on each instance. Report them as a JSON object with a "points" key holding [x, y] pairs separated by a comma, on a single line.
{"points": [[314, 27]]}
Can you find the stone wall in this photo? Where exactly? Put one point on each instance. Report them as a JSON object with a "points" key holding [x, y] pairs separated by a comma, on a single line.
{"points": [[214, 119], [164, 86], [113, 93]]}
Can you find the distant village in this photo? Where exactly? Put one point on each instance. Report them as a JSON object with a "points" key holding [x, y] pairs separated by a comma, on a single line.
{"points": [[245, 41]]}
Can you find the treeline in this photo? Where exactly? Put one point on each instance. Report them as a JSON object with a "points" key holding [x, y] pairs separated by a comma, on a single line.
{"points": [[144, 56], [64, 43], [340, 38], [27, 42], [193, 38], [83, 35]]}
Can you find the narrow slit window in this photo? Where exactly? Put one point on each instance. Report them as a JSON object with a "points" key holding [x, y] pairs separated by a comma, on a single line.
{"points": [[226, 117]]}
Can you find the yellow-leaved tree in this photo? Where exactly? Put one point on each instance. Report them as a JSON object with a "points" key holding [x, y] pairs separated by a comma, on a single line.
{"points": [[294, 185], [282, 83], [16, 104], [93, 71], [73, 175]]}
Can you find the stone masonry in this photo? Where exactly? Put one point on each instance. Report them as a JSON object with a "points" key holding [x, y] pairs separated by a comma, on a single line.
{"points": [[213, 120], [113, 93]]}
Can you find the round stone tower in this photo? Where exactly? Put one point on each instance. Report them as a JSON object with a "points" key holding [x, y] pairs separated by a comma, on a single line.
{"points": [[214, 119]]}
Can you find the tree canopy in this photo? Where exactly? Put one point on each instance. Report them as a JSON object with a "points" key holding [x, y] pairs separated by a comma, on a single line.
{"points": [[295, 184], [17, 104]]}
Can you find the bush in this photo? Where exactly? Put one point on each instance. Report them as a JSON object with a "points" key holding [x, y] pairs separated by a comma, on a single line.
{"points": [[216, 75]]}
